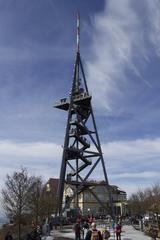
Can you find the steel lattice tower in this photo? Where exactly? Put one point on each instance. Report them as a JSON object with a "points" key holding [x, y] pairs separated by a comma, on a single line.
{"points": [[82, 150]]}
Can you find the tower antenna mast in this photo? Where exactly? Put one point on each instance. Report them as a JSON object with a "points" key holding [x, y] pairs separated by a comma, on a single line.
{"points": [[78, 32]]}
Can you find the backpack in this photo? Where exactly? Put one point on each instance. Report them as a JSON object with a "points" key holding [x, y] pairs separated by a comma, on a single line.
{"points": [[95, 235], [106, 234]]}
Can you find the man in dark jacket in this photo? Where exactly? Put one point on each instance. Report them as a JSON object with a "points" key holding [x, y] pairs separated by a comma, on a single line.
{"points": [[118, 232], [93, 232], [77, 230]]}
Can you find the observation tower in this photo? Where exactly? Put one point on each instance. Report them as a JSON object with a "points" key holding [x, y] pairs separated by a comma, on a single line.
{"points": [[82, 153]]}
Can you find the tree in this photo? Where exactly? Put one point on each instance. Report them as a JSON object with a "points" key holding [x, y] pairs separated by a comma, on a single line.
{"points": [[35, 203], [14, 196], [155, 205], [147, 200]]}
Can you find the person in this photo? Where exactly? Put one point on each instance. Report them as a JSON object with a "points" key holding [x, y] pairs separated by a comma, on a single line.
{"points": [[90, 219], [45, 228], [8, 236], [85, 228], [105, 234], [34, 235], [118, 232], [93, 234], [77, 230]]}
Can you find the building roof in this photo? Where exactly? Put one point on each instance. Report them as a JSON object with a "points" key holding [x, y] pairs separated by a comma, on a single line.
{"points": [[53, 184]]}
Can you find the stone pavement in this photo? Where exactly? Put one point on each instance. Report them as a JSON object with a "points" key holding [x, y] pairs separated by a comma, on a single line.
{"points": [[128, 233], [47, 238]]}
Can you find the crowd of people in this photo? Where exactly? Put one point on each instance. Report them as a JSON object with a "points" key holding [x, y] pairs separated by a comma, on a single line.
{"points": [[87, 230], [84, 229]]}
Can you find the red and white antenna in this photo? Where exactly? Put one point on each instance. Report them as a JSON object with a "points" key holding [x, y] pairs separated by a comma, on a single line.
{"points": [[78, 32]]}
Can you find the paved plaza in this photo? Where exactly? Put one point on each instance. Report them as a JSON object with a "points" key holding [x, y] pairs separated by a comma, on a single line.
{"points": [[128, 233]]}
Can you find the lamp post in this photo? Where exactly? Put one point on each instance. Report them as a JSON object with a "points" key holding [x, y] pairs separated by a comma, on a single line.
{"points": [[89, 210]]}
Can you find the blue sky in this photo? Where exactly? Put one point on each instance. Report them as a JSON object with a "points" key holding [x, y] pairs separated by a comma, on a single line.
{"points": [[120, 49]]}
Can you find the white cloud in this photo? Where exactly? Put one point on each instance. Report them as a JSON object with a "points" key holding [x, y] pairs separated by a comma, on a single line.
{"points": [[133, 149], [132, 164], [126, 161], [118, 40], [40, 158], [34, 149], [143, 175], [154, 18]]}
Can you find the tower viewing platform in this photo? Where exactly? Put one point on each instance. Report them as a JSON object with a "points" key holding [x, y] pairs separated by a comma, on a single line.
{"points": [[81, 98]]}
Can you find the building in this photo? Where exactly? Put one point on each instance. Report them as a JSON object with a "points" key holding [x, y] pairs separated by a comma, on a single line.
{"points": [[50, 193], [87, 202], [89, 205]]}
